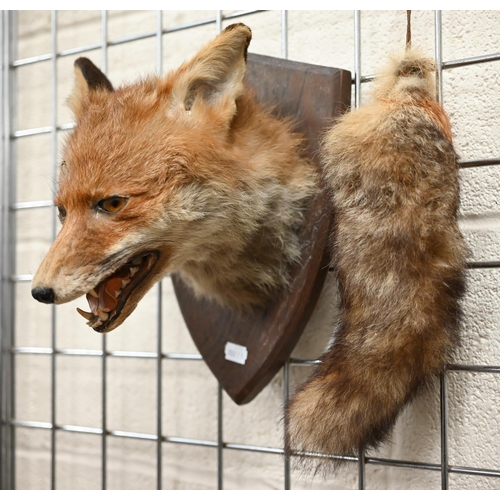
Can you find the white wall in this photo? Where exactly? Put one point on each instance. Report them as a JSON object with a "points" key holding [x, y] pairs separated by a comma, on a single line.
{"points": [[472, 99]]}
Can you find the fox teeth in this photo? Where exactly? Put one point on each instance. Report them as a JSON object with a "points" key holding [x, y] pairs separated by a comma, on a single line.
{"points": [[125, 283], [137, 261], [133, 270], [117, 293], [93, 320], [87, 315], [102, 315], [94, 293]]}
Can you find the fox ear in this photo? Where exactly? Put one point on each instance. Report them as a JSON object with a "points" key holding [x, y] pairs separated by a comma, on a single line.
{"points": [[88, 78], [214, 76]]}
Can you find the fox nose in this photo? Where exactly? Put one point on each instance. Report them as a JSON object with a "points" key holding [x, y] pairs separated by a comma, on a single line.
{"points": [[45, 295]]}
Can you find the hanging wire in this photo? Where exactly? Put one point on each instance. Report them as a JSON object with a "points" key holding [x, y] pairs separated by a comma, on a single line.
{"points": [[408, 29]]}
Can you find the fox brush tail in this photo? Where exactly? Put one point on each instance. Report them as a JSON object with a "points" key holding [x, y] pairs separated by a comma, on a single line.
{"points": [[400, 262]]}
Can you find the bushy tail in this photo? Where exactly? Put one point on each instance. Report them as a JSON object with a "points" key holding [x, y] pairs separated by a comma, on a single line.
{"points": [[400, 261]]}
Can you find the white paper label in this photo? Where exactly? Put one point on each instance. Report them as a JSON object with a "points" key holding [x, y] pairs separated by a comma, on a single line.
{"points": [[236, 353]]}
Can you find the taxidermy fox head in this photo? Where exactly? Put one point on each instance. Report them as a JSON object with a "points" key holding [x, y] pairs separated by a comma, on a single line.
{"points": [[184, 174]]}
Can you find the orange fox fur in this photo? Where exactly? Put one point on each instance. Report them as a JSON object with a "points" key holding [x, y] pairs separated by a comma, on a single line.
{"points": [[184, 173], [400, 260]]}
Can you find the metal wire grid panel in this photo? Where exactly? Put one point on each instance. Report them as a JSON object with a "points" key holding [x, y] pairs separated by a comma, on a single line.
{"points": [[9, 208]]}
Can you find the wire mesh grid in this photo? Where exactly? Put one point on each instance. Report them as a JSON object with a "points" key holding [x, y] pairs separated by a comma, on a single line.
{"points": [[10, 280]]}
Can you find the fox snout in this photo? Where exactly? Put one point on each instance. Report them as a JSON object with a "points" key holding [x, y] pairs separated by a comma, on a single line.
{"points": [[43, 294]]}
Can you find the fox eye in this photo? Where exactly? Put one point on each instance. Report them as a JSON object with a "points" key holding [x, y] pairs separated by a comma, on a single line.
{"points": [[112, 205], [61, 213]]}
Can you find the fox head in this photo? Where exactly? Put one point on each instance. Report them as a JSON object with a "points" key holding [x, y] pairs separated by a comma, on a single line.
{"points": [[136, 177]]}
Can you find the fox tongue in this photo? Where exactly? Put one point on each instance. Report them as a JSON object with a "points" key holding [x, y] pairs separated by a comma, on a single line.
{"points": [[106, 292]]}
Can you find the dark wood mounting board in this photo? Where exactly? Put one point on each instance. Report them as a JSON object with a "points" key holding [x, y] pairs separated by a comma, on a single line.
{"points": [[314, 96]]}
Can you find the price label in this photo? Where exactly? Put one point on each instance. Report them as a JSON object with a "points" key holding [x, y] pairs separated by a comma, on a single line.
{"points": [[236, 353]]}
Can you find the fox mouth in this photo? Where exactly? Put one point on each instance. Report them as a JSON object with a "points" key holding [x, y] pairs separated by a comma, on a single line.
{"points": [[107, 299]]}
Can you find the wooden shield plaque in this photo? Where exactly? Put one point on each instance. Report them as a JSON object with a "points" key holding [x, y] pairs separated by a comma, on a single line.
{"points": [[244, 351]]}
